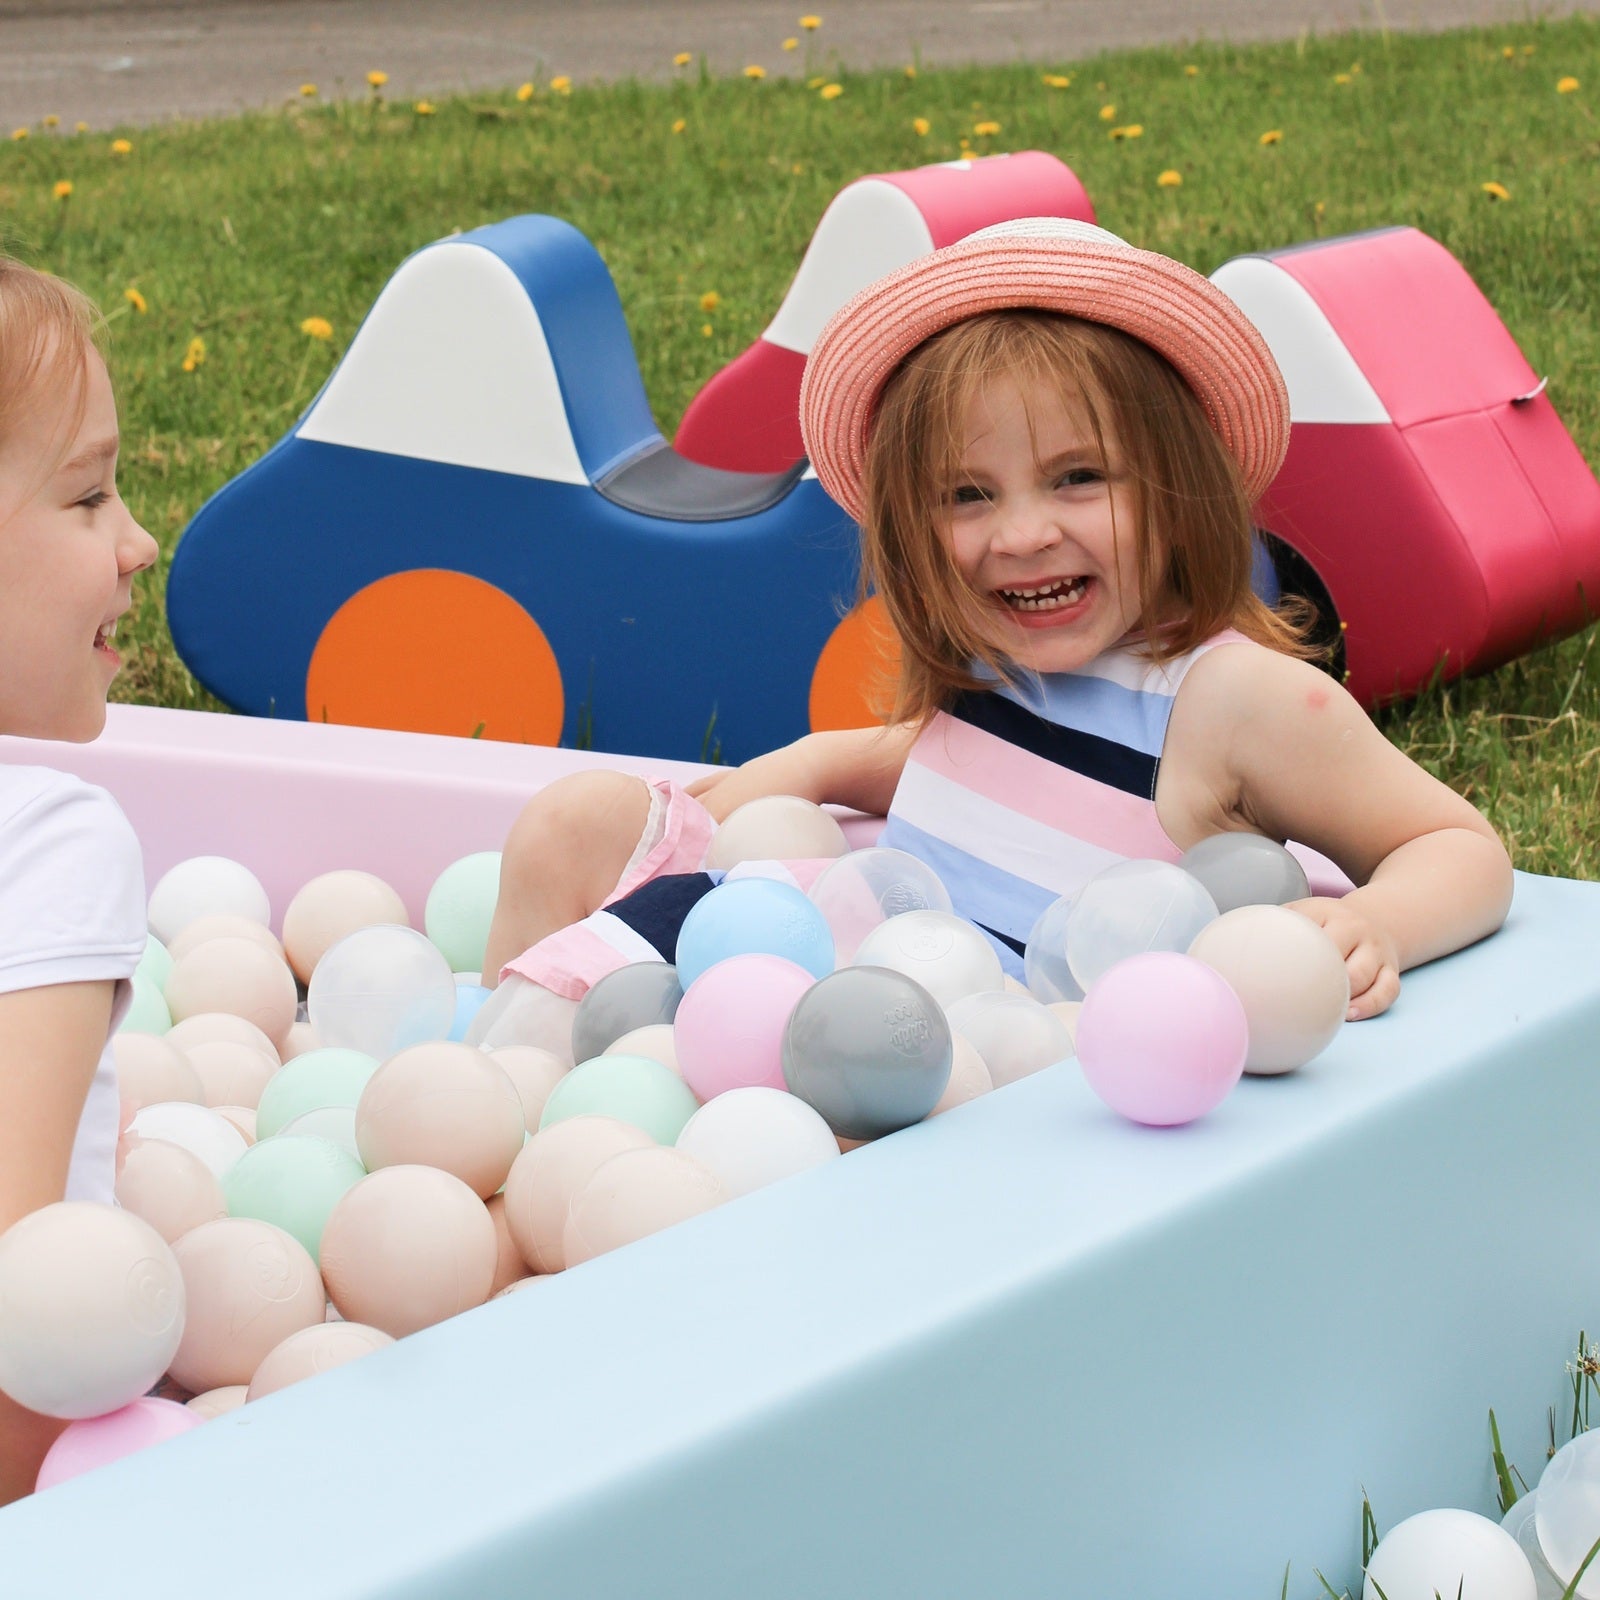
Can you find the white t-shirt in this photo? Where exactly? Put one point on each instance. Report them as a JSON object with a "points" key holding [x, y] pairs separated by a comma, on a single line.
{"points": [[72, 910]]}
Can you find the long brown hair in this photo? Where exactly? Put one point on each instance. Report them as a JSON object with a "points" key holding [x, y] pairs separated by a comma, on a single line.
{"points": [[1193, 546]]}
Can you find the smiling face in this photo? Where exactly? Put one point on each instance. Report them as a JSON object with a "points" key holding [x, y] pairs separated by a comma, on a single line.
{"points": [[69, 551]]}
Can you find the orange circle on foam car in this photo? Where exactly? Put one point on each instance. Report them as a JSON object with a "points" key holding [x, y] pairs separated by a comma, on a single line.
{"points": [[855, 673], [432, 651]]}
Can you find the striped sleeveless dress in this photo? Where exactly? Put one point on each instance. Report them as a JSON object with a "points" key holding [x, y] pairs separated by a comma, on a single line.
{"points": [[1018, 795]]}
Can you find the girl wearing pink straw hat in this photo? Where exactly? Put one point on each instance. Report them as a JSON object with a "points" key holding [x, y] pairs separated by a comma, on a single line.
{"points": [[1052, 442]]}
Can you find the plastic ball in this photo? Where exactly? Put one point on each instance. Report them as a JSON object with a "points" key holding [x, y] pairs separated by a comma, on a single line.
{"points": [[1015, 1035], [870, 1049], [151, 1069], [198, 1129], [310, 1082], [406, 1248], [635, 1194], [969, 1078], [293, 1182], [218, 1402], [98, 1441], [635, 996], [224, 925], [944, 953], [470, 997], [235, 976], [461, 906], [336, 1124], [147, 1008], [1132, 908], [864, 889], [1244, 869], [630, 1088], [533, 1074], [1162, 1038], [656, 1041], [242, 1117], [314, 1350], [380, 990], [204, 886], [555, 1163], [1290, 976], [211, 1026], [508, 1262], [331, 906], [155, 963], [91, 1309], [442, 1105], [1446, 1552], [730, 1027], [753, 916], [298, 1041], [1567, 1512], [775, 827], [524, 1013], [249, 1286], [753, 1137], [169, 1187], [232, 1074], [1044, 962], [1521, 1522]]}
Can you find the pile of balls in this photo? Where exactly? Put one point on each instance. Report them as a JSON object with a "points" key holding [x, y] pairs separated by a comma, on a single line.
{"points": [[336, 1139]]}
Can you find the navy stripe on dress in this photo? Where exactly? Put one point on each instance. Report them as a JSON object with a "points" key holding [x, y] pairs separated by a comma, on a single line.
{"points": [[1104, 760], [656, 910]]}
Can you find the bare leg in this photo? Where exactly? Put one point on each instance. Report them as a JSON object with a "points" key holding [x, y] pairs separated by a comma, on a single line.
{"points": [[563, 858]]}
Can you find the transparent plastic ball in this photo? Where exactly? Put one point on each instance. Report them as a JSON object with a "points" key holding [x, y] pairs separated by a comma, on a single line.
{"points": [[380, 990], [1567, 1512], [1131, 909], [944, 953], [1014, 1034], [1244, 869], [862, 890], [1044, 965]]}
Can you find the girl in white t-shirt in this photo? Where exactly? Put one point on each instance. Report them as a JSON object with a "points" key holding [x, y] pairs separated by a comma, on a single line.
{"points": [[72, 918]]}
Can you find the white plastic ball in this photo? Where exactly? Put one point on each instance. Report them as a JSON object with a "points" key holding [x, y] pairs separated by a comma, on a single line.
{"points": [[1130, 909], [380, 990], [91, 1309], [1567, 1512], [864, 889], [1015, 1035], [205, 886], [753, 1137], [775, 827], [945, 953], [199, 1129], [1446, 1552]]}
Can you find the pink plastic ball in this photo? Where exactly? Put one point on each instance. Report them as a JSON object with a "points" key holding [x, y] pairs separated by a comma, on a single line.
{"points": [[1162, 1038], [730, 1023], [98, 1441]]}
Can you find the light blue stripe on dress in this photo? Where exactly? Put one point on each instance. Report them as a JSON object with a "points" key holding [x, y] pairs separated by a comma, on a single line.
{"points": [[1133, 717]]}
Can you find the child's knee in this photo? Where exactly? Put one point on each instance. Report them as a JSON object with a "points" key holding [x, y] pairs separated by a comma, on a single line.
{"points": [[577, 817]]}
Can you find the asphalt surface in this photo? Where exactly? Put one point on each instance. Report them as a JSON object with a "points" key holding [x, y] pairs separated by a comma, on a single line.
{"points": [[107, 62]]}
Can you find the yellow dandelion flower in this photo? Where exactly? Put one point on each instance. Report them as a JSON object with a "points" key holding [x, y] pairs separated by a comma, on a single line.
{"points": [[755, 73], [121, 147], [815, 83], [1191, 71], [1134, 130], [19, 133], [307, 90], [1107, 113], [317, 328], [1343, 77], [51, 120], [920, 126], [1057, 80], [80, 127], [377, 80], [705, 330], [679, 125], [194, 357], [135, 299], [424, 108], [1527, 49], [791, 44], [63, 189], [810, 23], [524, 92], [682, 59], [1495, 191], [1566, 85], [710, 300], [561, 85], [911, 71], [797, 168], [1271, 136], [985, 130], [831, 91], [1509, 51], [1170, 179]]}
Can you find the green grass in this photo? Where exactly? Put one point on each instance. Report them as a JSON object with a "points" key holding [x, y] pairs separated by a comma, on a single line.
{"points": [[235, 231]]}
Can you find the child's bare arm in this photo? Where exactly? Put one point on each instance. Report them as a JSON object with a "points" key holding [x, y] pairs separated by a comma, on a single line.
{"points": [[858, 768]]}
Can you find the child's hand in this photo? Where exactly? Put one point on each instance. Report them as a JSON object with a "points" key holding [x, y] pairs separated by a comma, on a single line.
{"points": [[1370, 955], [784, 771]]}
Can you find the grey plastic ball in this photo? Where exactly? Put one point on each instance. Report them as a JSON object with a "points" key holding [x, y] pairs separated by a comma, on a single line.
{"points": [[870, 1049], [635, 996], [1244, 869]]}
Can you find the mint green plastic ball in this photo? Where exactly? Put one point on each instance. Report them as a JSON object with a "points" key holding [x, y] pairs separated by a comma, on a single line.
{"points": [[155, 963], [460, 907], [293, 1182], [632, 1089], [327, 1077], [148, 1013]]}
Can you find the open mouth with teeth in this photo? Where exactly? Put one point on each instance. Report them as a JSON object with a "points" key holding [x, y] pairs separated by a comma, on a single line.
{"points": [[1056, 596], [104, 634]]}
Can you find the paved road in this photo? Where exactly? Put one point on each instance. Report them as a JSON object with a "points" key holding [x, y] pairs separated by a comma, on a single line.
{"points": [[139, 61]]}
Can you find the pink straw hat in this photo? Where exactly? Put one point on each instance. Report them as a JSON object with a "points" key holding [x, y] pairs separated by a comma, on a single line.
{"points": [[1048, 264]]}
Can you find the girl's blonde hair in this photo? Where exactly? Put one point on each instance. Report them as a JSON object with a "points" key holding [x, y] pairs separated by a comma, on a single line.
{"points": [[47, 329], [1189, 503]]}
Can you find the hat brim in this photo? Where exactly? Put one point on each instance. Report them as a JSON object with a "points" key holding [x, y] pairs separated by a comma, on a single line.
{"points": [[1214, 347]]}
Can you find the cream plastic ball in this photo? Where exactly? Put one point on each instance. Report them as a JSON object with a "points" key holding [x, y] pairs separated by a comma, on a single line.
{"points": [[756, 1136], [151, 1069], [508, 1263], [225, 925], [1443, 1552], [775, 827], [219, 1402], [235, 976], [92, 1309], [324, 910], [249, 1285], [1289, 976], [1014, 1033], [242, 1117], [314, 1350], [442, 1105], [299, 1040], [969, 1077], [1068, 1011], [230, 1073], [197, 1128], [656, 1041], [533, 1073], [210, 1026], [943, 952], [406, 1248], [635, 1194], [205, 886], [555, 1163], [169, 1187]]}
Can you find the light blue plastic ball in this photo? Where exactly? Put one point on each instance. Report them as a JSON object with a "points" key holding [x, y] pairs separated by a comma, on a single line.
{"points": [[754, 916]]}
